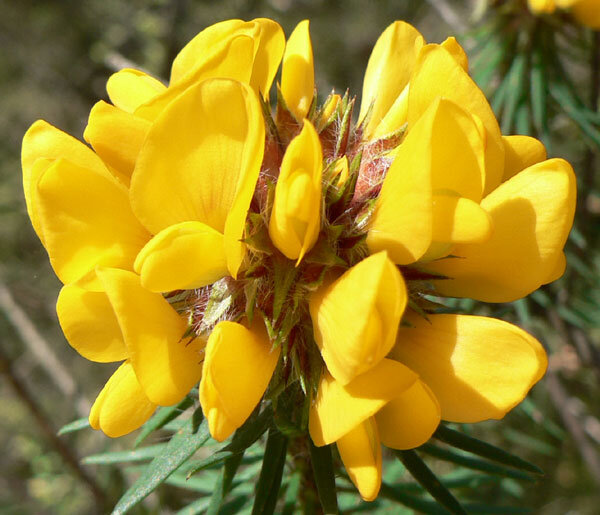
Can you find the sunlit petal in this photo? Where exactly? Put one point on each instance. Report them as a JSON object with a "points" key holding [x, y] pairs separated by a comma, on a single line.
{"points": [[459, 220], [521, 152], [478, 368], [128, 89]]}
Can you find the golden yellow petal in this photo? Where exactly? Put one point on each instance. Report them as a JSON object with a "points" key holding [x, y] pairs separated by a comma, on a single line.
{"points": [[388, 71], [121, 406], [182, 257], [128, 89], [360, 451], [90, 325], [86, 221], [166, 364], [204, 172], [532, 215], [298, 72], [355, 319], [116, 136], [409, 420], [521, 152], [478, 368], [459, 220], [456, 51], [296, 216], [437, 74], [237, 369], [340, 408]]}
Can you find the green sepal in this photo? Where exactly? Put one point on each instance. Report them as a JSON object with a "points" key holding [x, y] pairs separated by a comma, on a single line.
{"points": [[219, 301], [284, 274], [344, 131], [271, 474]]}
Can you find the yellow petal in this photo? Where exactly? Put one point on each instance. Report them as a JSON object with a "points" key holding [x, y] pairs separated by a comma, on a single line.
{"points": [[90, 325], [360, 451], [479, 368], [395, 118], [558, 270], [182, 257], [388, 71], [355, 319], [31, 177], [587, 12], [437, 74], [237, 369], [338, 409], [521, 152], [296, 216], [166, 364], [542, 6], [268, 55], [531, 214], [116, 136], [409, 420], [298, 72], [121, 406], [44, 142], [456, 51], [459, 220], [87, 222], [231, 59], [204, 172], [128, 89], [204, 43]]}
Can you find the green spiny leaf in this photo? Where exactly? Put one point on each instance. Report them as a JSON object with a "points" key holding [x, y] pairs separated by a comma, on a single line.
{"points": [[108, 458], [179, 449], [163, 416], [76, 425], [269, 481], [322, 467], [421, 472], [484, 449]]}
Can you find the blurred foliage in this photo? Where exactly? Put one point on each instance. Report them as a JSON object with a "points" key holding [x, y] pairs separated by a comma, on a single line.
{"points": [[541, 75]]}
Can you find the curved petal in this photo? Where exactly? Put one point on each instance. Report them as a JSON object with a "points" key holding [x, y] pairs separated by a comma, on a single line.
{"points": [[388, 71], [532, 215], [542, 6], [237, 369], [521, 152], [340, 408], [231, 59], [116, 136], [121, 407], [558, 270], [409, 420], [90, 325], [203, 172], [459, 220], [456, 51], [296, 215], [193, 54], [360, 451], [31, 178], [437, 74], [166, 364], [86, 221], [128, 89], [182, 257], [587, 12], [298, 71], [479, 368], [268, 55], [43, 140], [355, 319]]}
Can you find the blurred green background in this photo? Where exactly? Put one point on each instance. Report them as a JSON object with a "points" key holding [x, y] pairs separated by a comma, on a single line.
{"points": [[55, 57]]}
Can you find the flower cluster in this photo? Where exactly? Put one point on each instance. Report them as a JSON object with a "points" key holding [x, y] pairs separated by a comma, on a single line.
{"points": [[296, 257], [586, 12]]}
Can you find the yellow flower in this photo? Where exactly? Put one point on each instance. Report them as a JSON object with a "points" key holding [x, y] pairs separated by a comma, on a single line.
{"points": [[280, 259], [586, 12]]}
